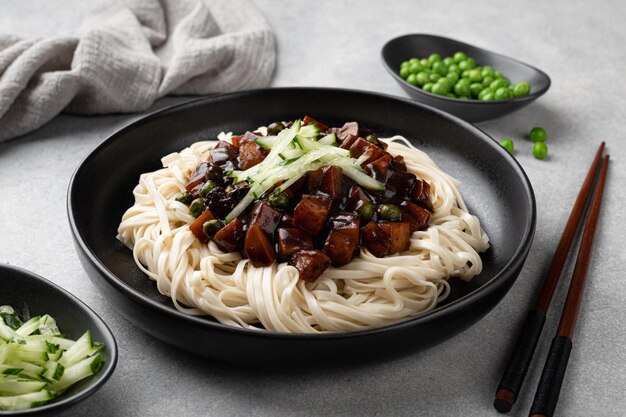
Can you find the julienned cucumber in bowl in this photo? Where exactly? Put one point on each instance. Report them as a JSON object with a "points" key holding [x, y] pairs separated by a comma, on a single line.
{"points": [[37, 364]]}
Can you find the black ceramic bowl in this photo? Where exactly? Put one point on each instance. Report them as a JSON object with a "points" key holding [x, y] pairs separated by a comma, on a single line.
{"points": [[419, 45], [494, 186], [22, 289]]}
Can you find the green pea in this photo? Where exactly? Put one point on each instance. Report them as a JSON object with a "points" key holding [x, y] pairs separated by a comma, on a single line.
{"points": [[439, 89], [273, 129], [428, 87], [445, 83], [459, 56], [465, 81], [206, 189], [422, 78], [462, 88], [434, 57], [464, 97], [454, 68], [540, 150], [434, 77], [538, 134], [502, 93], [412, 79], [487, 96], [500, 82], [425, 63], [507, 144], [474, 76], [476, 88], [448, 61], [196, 207], [498, 74], [365, 209], [488, 80], [414, 60], [415, 68], [521, 89], [452, 76], [278, 200], [451, 95], [211, 227], [185, 198], [389, 212], [440, 68], [404, 64], [465, 74], [486, 71], [404, 72]]}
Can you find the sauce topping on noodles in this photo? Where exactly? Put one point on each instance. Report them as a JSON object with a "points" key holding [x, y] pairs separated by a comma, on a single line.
{"points": [[306, 194]]}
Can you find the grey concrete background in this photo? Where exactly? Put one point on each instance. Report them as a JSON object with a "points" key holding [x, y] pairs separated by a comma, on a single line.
{"points": [[580, 44]]}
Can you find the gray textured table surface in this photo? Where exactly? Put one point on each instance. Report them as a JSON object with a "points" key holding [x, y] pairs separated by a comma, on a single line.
{"points": [[580, 44]]}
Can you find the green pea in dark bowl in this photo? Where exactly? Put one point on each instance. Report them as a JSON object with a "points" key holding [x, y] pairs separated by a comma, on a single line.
{"points": [[406, 47]]}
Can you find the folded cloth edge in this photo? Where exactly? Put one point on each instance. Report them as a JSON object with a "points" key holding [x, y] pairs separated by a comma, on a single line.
{"points": [[130, 54]]}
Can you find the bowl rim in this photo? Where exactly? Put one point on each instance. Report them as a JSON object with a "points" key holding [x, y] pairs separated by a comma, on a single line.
{"points": [[465, 302], [100, 378], [530, 97]]}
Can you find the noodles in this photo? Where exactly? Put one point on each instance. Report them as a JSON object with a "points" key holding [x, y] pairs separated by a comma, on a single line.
{"points": [[368, 292]]}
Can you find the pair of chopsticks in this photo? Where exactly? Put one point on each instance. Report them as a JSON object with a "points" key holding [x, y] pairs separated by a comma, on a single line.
{"points": [[553, 373]]}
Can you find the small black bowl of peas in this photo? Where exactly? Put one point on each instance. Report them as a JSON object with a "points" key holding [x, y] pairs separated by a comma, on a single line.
{"points": [[469, 82]]}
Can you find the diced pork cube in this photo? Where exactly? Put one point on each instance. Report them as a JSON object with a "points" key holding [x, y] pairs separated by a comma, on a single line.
{"points": [[311, 213], [310, 264]]}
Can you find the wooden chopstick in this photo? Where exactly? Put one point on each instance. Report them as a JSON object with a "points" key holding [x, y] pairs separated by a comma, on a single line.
{"points": [[549, 387], [522, 354]]}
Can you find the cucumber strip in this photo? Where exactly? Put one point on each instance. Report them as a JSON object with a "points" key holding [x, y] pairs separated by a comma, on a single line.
{"points": [[54, 371], [32, 356], [306, 143], [296, 176], [48, 326], [15, 386], [291, 154], [79, 350], [9, 370], [311, 145], [63, 343], [310, 131], [10, 317], [361, 159], [284, 138], [6, 333], [78, 371], [24, 401], [29, 370], [329, 140], [36, 344], [241, 206], [361, 178], [29, 327], [266, 142]]}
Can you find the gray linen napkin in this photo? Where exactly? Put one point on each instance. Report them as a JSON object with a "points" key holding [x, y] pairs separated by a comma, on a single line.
{"points": [[127, 54]]}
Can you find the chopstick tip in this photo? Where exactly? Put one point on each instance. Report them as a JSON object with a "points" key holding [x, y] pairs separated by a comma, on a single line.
{"points": [[504, 401]]}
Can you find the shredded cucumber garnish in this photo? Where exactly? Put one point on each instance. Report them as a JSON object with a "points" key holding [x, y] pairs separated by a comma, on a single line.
{"points": [[37, 363], [294, 152]]}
